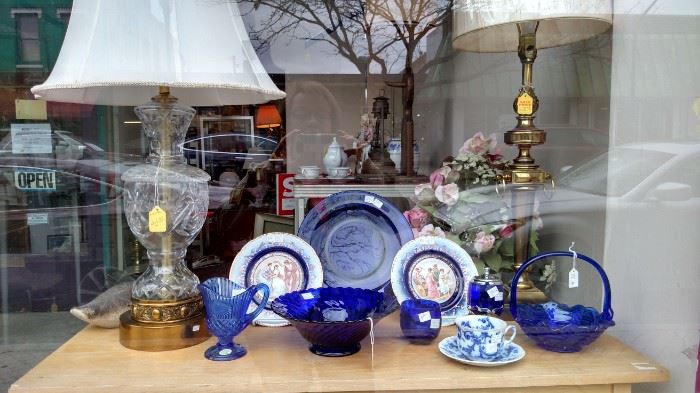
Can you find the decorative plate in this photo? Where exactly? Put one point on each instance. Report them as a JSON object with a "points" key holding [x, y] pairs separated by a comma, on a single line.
{"points": [[511, 354], [356, 235], [284, 262], [434, 268]]}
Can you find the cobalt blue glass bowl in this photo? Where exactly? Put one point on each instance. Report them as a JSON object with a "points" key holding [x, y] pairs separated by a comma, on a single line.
{"points": [[420, 320], [333, 320], [559, 327]]}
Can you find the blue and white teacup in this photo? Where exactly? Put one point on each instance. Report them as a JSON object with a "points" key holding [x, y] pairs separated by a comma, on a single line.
{"points": [[481, 337]]}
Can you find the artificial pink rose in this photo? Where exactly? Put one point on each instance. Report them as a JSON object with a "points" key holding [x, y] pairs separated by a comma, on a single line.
{"points": [[505, 232], [478, 144], [483, 242], [417, 217], [437, 178], [430, 230], [424, 192], [536, 219], [448, 194]]}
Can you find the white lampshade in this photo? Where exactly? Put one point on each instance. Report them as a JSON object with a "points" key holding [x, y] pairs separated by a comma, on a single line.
{"points": [[117, 52], [491, 25]]}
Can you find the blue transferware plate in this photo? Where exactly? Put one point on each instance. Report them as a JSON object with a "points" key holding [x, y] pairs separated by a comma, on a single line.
{"points": [[356, 235], [434, 268], [511, 354], [286, 263]]}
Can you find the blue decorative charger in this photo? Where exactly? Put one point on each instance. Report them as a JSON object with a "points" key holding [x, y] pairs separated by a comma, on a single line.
{"points": [[356, 235], [437, 269], [282, 261], [511, 354]]}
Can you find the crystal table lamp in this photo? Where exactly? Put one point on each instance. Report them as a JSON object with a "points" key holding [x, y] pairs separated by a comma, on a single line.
{"points": [[196, 50], [523, 26]]}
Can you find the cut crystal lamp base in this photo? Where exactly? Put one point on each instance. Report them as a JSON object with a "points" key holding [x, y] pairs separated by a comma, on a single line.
{"points": [[162, 336]]}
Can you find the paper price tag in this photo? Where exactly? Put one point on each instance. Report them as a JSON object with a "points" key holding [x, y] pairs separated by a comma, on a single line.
{"points": [[195, 328], [498, 297], [493, 292], [573, 278], [525, 104], [434, 323], [307, 296], [157, 220], [377, 203], [424, 316]]}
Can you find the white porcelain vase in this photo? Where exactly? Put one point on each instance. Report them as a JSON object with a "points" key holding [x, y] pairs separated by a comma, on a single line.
{"points": [[394, 150]]}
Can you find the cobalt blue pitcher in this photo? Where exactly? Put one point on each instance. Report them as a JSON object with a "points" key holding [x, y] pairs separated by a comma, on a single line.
{"points": [[226, 305]]}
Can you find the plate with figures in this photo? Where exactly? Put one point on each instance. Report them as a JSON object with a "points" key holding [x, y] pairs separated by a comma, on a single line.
{"points": [[434, 268], [286, 263], [511, 354], [356, 235]]}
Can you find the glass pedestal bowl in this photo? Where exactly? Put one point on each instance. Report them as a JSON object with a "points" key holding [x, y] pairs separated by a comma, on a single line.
{"points": [[333, 320]]}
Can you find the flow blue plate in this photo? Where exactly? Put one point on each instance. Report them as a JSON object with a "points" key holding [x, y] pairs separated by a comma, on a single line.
{"points": [[356, 235]]}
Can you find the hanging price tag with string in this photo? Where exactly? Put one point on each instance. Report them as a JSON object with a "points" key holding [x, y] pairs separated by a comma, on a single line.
{"points": [[573, 273]]}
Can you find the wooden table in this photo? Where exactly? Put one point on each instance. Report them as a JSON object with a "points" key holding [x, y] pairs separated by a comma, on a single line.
{"points": [[278, 361]]}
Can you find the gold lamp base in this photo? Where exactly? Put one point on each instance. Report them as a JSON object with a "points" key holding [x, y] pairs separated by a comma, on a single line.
{"points": [[153, 337]]}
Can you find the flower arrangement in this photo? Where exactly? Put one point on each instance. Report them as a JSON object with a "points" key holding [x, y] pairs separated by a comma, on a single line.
{"points": [[460, 203]]}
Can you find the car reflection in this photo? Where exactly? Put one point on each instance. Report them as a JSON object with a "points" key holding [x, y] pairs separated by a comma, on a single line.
{"points": [[233, 152], [644, 178]]}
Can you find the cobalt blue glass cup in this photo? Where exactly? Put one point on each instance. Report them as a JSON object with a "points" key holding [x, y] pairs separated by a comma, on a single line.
{"points": [[332, 320], [421, 320], [226, 304]]}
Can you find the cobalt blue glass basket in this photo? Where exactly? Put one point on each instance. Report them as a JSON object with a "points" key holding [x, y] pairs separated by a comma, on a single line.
{"points": [[559, 327], [333, 320]]}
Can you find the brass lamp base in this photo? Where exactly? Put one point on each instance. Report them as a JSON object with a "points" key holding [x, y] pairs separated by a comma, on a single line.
{"points": [[153, 337]]}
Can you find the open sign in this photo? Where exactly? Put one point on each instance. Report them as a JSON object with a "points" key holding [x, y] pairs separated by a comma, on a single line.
{"points": [[35, 180]]}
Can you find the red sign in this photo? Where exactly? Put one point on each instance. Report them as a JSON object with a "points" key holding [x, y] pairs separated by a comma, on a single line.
{"points": [[285, 194]]}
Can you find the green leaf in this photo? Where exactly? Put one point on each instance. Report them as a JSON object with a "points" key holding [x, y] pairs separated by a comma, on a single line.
{"points": [[507, 247], [534, 237], [428, 208], [454, 237], [493, 260], [479, 264], [497, 245]]}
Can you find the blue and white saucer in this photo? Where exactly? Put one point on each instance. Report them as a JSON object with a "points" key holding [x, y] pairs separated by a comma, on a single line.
{"points": [[511, 354]]}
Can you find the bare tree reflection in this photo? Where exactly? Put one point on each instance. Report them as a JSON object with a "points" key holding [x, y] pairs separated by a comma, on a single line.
{"points": [[365, 32]]}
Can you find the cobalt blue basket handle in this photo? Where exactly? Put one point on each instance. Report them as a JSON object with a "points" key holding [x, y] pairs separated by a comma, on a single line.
{"points": [[607, 306]]}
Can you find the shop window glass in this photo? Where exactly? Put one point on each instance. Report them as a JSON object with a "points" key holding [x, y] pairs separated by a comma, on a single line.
{"points": [[620, 110]]}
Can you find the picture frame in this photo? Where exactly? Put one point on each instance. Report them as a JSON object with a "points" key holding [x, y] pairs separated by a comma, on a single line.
{"points": [[213, 125], [62, 243], [267, 223]]}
